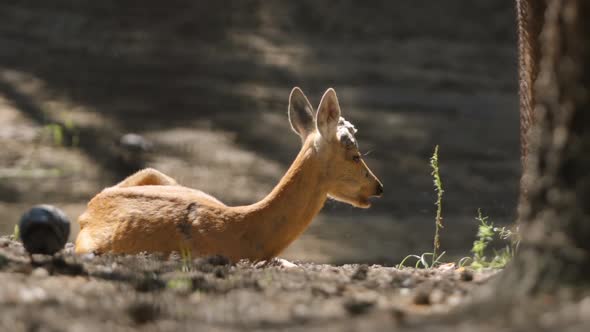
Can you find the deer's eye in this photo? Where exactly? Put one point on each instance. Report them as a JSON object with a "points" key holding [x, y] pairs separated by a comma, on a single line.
{"points": [[356, 159]]}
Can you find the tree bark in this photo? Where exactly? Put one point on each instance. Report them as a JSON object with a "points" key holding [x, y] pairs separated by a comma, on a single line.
{"points": [[530, 17], [555, 219], [530, 21]]}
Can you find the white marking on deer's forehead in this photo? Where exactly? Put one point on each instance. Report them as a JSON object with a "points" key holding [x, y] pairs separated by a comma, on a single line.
{"points": [[345, 133]]}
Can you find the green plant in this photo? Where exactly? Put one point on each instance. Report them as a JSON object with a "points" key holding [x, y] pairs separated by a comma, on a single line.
{"points": [[180, 284], [421, 260], [70, 126], [486, 234], [186, 257], [63, 134], [56, 131], [439, 195], [16, 233]]}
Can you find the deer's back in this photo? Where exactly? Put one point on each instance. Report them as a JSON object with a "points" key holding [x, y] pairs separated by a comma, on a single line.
{"points": [[163, 215]]}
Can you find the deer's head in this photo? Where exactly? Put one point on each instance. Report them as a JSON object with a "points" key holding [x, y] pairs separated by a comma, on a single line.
{"points": [[344, 172]]}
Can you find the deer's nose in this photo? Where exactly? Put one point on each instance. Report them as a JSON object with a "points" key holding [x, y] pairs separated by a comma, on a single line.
{"points": [[379, 189]]}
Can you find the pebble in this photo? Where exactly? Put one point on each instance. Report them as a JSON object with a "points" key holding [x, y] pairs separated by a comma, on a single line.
{"points": [[422, 297], [358, 306], [40, 273], [408, 283], [32, 294], [465, 275], [436, 296], [361, 273]]}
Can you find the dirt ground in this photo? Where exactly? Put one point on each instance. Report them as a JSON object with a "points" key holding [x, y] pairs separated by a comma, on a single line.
{"points": [[155, 293]]}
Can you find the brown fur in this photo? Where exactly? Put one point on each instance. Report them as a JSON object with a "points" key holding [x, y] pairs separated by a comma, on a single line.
{"points": [[149, 211]]}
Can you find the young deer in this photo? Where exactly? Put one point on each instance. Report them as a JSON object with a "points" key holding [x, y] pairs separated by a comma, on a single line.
{"points": [[149, 211]]}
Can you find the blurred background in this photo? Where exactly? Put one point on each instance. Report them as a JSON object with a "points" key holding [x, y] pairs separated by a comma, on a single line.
{"points": [[206, 83]]}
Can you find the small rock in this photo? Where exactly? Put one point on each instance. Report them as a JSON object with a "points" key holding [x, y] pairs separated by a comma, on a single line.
{"points": [[32, 294], [275, 262], [149, 284], [135, 143], [211, 263], [454, 300], [87, 257], [422, 297], [40, 273], [218, 260], [408, 283], [325, 290], [436, 297], [446, 267], [361, 273], [142, 313], [220, 272], [357, 306], [69, 248], [466, 275], [404, 291]]}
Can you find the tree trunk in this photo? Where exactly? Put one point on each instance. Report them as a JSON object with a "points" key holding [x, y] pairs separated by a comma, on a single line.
{"points": [[530, 21], [530, 16], [555, 219]]}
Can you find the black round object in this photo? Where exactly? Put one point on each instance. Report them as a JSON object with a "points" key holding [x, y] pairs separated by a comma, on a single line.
{"points": [[44, 229]]}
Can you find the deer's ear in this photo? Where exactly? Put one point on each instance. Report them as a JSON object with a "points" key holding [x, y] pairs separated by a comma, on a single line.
{"points": [[300, 113], [328, 115]]}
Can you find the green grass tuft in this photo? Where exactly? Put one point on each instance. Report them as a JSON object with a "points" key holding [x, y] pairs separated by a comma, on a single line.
{"points": [[56, 132], [16, 233], [438, 188], [435, 256], [486, 234], [186, 255], [180, 284]]}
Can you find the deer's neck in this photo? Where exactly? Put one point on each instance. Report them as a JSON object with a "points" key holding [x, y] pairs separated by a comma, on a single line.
{"points": [[279, 218]]}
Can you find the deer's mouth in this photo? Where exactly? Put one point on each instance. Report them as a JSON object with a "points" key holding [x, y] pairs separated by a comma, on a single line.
{"points": [[363, 203], [356, 201]]}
